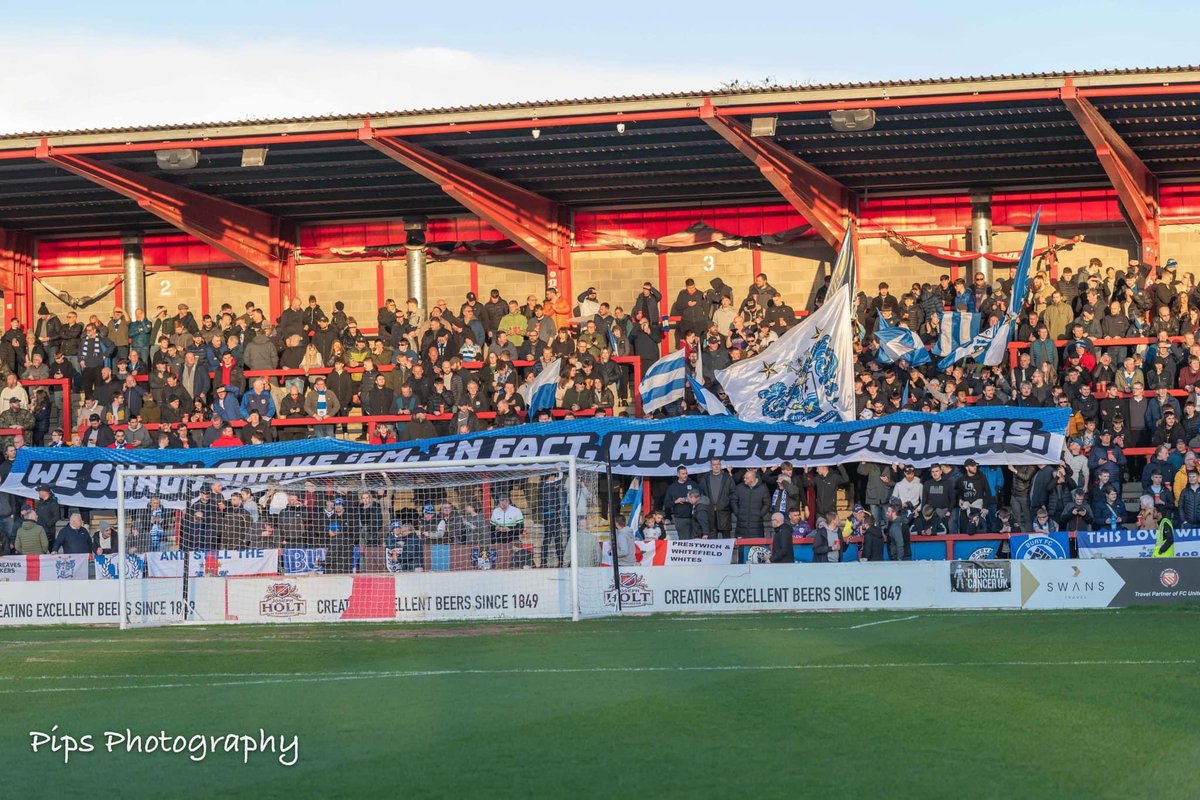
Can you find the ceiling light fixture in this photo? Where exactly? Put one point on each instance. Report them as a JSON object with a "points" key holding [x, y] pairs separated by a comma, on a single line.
{"points": [[763, 126], [177, 159], [254, 156]]}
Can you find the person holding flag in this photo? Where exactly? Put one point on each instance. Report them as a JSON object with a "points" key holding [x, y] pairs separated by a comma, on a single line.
{"points": [[991, 346]]}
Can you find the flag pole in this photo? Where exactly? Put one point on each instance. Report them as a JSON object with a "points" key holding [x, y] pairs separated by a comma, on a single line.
{"points": [[612, 532]]}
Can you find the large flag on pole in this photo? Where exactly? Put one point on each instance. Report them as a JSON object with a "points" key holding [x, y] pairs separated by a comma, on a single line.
{"points": [[664, 382], [542, 391], [807, 376], [991, 346], [845, 269], [897, 343], [706, 399], [955, 328]]}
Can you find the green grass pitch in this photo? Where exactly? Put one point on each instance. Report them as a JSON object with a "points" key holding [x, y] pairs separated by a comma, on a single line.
{"points": [[1091, 704]]}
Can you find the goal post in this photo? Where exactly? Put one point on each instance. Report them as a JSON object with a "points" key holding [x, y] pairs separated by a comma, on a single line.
{"points": [[511, 538]]}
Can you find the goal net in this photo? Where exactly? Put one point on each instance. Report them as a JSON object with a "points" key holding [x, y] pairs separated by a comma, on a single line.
{"points": [[516, 539]]}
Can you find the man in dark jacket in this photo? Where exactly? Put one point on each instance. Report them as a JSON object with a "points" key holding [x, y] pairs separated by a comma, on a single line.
{"points": [[74, 538], [1189, 501], [646, 303], [675, 503], [703, 524], [751, 505], [718, 486], [782, 549], [692, 310], [894, 527], [825, 482]]}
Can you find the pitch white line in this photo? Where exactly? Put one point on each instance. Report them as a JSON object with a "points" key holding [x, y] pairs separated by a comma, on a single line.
{"points": [[258, 679], [883, 622]]}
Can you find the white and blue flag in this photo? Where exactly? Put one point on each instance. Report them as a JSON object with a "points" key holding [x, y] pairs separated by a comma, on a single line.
{"points": [[955, 328], [706, 399], [542, 391], [664, 382], [807, 376], [991, 346], [897, 343], [633, 499]]}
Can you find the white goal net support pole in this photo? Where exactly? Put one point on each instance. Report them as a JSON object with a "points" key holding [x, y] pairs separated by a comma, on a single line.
{"points": [[473, 539]]}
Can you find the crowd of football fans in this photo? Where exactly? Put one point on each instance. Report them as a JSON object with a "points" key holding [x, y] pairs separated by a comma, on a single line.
{"points": [[1115, 346]]}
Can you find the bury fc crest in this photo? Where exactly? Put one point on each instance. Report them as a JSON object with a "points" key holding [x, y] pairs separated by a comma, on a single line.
{"points": [[812, 394]]}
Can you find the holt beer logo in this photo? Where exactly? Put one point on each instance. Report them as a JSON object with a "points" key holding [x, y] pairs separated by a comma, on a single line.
{"points": [[1169, 578], [283, 600], [634, 592]]}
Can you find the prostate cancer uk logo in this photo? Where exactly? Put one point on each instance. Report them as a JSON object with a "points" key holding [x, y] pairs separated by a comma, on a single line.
{"points": [[633, 592], [283, 600], [1169, 578]]}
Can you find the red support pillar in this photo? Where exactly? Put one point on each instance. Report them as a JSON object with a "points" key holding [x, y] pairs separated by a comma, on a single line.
{"points": [[16, 275], [1136, 185], [822, 201], [536, 224], [251, 237]]}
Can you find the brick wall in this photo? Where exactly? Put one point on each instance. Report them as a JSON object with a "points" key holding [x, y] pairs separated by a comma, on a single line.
{"points": [[1182, 243], [236, 286], [735, 267], [881, 260], [352, 282], [618, 275]]}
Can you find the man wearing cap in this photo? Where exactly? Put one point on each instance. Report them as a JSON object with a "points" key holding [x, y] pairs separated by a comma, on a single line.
{"points": [[184, 317], [419, 428], [492, 312], [47, 330]]}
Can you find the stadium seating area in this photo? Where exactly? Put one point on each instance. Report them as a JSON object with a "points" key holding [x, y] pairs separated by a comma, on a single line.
{"points": [[1116, 346]]}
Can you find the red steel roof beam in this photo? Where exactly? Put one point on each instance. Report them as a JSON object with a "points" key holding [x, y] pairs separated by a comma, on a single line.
{"points": [[537, 224], [1136, 185], [821, 200], [249, 236]]}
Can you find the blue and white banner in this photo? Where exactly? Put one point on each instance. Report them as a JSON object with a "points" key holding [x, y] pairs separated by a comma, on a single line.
{"points": [[304, 561], [897, 343], [106, 567], [664, 382], [86, 476], [1122, 543], [955, 328], [1040, 545]]}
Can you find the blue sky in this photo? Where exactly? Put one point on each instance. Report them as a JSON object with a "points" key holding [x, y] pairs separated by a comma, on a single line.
{"points": [[131, 63]]}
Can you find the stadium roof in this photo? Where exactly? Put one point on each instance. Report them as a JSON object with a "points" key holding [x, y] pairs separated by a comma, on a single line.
{"points": [[947, 135]]}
